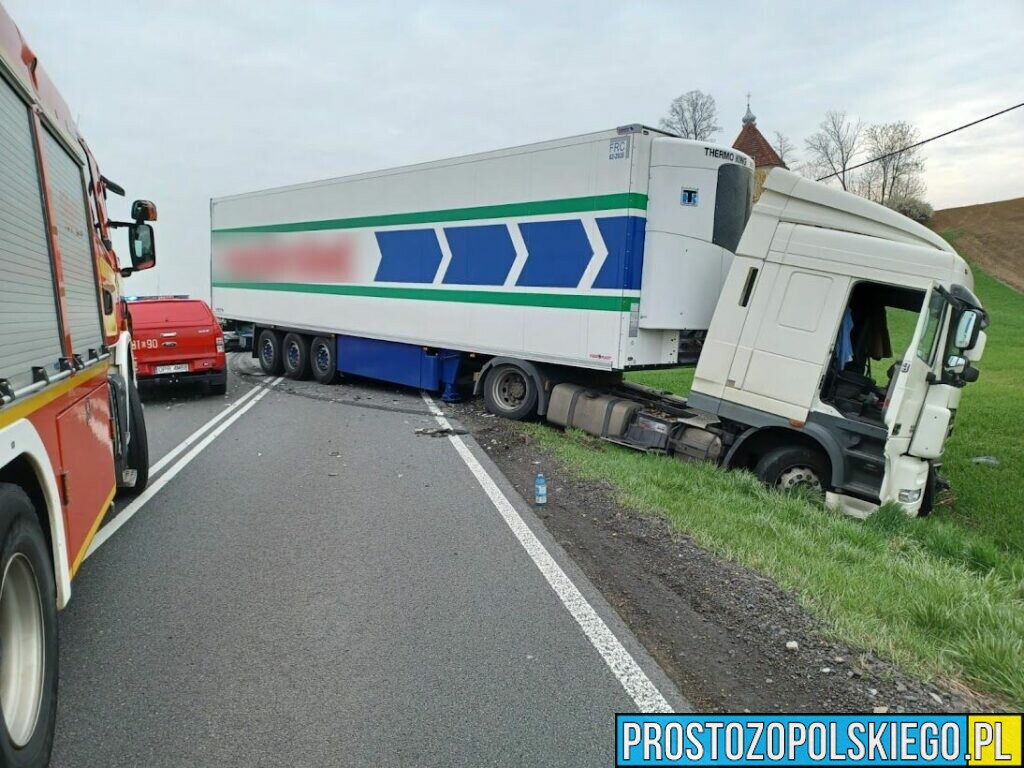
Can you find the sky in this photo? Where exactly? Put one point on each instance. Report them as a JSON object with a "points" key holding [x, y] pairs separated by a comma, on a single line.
{"points": [[184, 100]]}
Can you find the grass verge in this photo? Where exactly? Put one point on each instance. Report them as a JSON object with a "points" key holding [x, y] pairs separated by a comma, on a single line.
{"points": [[941, 596]]}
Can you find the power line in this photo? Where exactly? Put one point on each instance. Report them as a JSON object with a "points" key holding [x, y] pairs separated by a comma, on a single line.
{"points": [[925, 141]]}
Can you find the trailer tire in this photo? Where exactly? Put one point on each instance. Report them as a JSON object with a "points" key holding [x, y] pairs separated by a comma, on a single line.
{"points": [[793, 466], [511, 392], [323, 360], [28, 633], [268, 349], [295, 356], [138, 443]]}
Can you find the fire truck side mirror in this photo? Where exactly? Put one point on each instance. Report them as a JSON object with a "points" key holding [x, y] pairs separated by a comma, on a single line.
{"points": [[143, 210], [141, 246]]}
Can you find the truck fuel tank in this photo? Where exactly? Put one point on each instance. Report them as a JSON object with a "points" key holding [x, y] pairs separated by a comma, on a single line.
{"points": [[572, 405], [624, 421]]}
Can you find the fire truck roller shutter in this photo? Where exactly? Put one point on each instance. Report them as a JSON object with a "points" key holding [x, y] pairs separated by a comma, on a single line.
{"points": [[81, 284], [28, 302]]}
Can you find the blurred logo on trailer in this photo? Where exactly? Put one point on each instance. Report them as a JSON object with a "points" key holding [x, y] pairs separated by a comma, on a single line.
{"points": [[289, 259]]}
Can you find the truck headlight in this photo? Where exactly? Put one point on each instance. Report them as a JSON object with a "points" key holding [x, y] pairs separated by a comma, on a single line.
{"points": [[909, 495]]}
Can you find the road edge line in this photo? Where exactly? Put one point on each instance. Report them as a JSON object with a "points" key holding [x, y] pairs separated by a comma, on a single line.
{"points": [[634, 680], [113, 525]]}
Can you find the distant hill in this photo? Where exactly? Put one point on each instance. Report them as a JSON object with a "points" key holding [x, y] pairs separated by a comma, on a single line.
{"points": [[990, 235]]}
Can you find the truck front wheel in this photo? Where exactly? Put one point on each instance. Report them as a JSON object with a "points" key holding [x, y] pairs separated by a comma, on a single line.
{"points": [[268, 347], [511, 392], [28, 634], [795, 466]]}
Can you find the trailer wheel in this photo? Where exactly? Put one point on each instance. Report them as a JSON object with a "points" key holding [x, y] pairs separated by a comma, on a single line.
{"points": [[28, 634], [323, 360], [791, 467], [138, 442], [511, 392], [268, 347], [296, 356]]}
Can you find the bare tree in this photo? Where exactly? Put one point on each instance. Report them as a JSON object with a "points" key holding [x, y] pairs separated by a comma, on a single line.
{"points": [[835, 145], [896, 171], [694, 115], [785, 149]]}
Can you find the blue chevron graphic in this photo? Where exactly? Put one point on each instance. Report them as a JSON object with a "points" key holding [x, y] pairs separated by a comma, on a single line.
{"points": [[624, 238], [480, 255], [407, 256], [558, 253]]}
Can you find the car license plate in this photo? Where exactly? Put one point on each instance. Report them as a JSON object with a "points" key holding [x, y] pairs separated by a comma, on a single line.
{"points": [[180, 368]]}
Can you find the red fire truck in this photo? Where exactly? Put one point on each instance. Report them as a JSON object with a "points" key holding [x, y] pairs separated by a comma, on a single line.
{"points": [[72, 430]]}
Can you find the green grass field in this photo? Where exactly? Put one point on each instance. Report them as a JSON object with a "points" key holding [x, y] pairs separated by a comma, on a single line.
{"points": [[942, 596]]}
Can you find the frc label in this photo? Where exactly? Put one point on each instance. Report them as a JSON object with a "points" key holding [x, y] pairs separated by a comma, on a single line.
{"points": [[618, 148]]}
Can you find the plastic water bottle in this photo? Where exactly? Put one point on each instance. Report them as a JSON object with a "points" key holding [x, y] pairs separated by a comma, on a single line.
{"points": [[540, 489]]}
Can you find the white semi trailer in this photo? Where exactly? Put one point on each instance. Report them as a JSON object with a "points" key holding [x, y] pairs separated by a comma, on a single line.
{"points": [[543, 272]]}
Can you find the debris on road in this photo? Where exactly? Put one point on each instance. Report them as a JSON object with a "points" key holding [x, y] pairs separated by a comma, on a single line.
{"points": [[439, 431], [988, 461]]}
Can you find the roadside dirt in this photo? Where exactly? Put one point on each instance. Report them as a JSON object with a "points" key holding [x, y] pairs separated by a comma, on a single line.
{"points": [[719, 630], [992, 237]]}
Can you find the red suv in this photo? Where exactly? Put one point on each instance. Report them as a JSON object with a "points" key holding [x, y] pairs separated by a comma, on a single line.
{"points": [[177, 339]]}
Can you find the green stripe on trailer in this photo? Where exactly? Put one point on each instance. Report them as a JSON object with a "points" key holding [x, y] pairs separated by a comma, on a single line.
{"points": [[512, 298], [633, 200]]}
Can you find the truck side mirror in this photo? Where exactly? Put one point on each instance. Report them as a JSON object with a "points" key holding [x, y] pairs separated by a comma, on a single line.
{"points": [[141, 246], [143, 210], [967, 330], [974, 354], [956, 364]]}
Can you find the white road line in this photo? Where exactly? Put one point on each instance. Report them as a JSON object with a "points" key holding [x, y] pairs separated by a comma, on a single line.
{"points": [[114, 525], [633, 679], [174, 452]]}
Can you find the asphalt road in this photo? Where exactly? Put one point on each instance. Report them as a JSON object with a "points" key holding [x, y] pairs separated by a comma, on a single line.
{"points": [[321, 586]]}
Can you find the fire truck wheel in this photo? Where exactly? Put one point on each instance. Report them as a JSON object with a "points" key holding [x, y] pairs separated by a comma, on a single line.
{"points": [[296, 356], [793, 466], [511, 392], [28, 634], [268, 348], [138, 445], [323, 360]]}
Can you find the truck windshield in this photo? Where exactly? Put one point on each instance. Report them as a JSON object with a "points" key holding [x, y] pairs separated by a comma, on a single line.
{"points": [[733, 199]]}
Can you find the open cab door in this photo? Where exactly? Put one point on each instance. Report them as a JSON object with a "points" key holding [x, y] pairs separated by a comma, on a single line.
{"points": [[909, 386], [907, 476]]}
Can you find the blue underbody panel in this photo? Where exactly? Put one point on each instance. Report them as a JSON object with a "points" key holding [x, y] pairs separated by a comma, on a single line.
{"points": [[408, 364]]}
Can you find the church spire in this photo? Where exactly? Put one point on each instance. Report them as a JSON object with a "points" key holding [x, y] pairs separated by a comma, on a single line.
{"points": [[749, 118]]}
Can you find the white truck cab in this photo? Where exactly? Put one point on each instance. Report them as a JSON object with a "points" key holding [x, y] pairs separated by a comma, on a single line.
{"points": [[822, 286]]}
